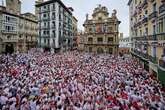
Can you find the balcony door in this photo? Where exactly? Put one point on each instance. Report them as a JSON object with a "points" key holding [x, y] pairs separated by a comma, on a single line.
{"points": [[100, 50]]}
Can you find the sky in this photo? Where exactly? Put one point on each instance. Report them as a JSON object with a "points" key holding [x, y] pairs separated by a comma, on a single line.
{"points": [[82, 7]]}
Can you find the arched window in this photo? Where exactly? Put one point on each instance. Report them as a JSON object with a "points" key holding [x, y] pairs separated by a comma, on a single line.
{"points": [[100, 50]]}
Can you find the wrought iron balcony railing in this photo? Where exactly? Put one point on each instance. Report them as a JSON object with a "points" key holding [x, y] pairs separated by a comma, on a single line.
{"points": [[153, 15], [162, 8], [141, 54], [145, 19]]}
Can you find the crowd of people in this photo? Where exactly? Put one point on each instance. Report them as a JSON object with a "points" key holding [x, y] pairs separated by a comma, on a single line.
{"points": [[76, 81]]}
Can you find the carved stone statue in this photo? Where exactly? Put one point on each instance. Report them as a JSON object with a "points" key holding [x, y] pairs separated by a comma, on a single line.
{"points": [[86, 16], [114, 13]]}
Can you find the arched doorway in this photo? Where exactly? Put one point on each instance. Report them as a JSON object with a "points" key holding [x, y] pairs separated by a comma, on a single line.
{"points": [[9, 48], [100, 50], [110, 50], [46, 49]]}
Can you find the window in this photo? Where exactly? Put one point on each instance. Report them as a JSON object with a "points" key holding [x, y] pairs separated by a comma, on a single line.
{"points": [[90, 29], [99, 39], [110, 39], [44, 15], [110, 50], [154, 29], [53, 15], [146, 12], [8, 37], [146, 31], [90, 49], [154, 7], [94, 28], [53, 32], [104, 28], [44, 24], [53, 24], [44, 41], [90, 39], [48, 42], [110, 29], [140, 32], [47, 32], [100, 18], [44, 32], [161, 27], [53, 6], [154, 52]]}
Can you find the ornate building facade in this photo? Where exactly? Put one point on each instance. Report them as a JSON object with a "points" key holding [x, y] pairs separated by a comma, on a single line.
{"points": [[101, 32], [18, 32]]}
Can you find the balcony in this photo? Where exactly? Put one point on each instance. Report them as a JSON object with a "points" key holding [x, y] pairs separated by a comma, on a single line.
{"points": [[144, 4], [138, 24], [161, 37], [162, 8], [101, 43], [153, 59], [10, 40], [142, 38], [162, 63], [140, 54], [90, 42], [45, 19], [45, 27], [145, 19], [153, 15], [152, 37]]}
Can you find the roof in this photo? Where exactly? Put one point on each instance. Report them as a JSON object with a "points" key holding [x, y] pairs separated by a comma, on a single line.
{"points": [[52, 1], [129, 2]]}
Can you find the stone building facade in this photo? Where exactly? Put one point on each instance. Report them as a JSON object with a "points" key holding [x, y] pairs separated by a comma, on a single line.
{"points": [[17, 31], [101, 32], [147, 32]]}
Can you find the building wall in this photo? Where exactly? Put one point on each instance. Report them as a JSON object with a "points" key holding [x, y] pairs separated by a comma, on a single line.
{"points": [[101, 32], [9, 30], [17, 32], [147, 30], [55, 26], [151, 20]]}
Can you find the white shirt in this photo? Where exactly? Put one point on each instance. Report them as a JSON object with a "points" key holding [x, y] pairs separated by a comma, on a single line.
{"points": [[3, 100], [33, 105]]}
